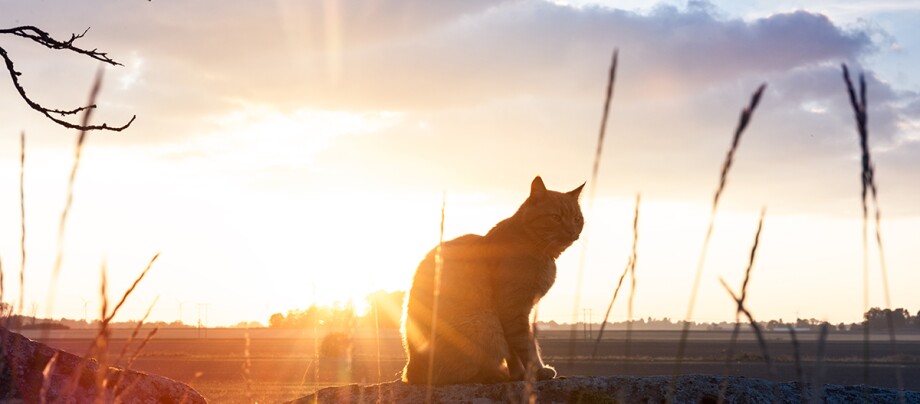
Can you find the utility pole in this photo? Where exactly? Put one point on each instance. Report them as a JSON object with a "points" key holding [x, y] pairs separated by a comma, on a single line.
{"points": [[85, 304], [180, 310], [205, 319]]}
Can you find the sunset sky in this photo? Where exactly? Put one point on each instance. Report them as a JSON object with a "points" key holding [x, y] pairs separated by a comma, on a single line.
{"points": [[287, 152]]}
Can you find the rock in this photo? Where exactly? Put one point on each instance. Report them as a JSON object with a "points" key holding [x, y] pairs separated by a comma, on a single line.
{"points": [[23, 361], [612, 389]]}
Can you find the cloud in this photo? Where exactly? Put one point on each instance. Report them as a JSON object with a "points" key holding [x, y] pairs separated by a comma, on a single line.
{"points": [[499, 90]]}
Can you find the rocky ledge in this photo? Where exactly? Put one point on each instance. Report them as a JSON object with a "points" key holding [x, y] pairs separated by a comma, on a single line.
{"points": [[72, 379], [613, 389]]}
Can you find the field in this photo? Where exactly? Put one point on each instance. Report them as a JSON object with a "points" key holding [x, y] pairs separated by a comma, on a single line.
{"points": [[213, 361]]}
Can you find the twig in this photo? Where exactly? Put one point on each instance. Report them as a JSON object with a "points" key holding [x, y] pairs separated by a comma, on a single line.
{"points": [[43, 38]]}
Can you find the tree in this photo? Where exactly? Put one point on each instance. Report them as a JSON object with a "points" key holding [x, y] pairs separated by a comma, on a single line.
{"points": [[878, 319], [57, 116], [276, 320]]}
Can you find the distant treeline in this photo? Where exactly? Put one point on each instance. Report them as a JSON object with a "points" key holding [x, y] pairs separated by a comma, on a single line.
{"points": [[385, 311], [877, 319]]}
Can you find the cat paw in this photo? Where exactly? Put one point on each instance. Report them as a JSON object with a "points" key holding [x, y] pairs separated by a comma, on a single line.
{"points": [[546, 373]]}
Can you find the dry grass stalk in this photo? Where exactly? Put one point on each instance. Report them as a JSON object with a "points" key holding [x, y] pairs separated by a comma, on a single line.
{"points": [[315, 363], [743, 122], [616, 291], [530, 395], [81, 137], [102, 340], [817, 377], [2, 314], [247, 365], [99, 346], [136, 331], [756, 327], [438, 262], [22, 220], [47, 372], [611, 79], [740, 299], [140, 348], [377, 348], [867, 179], [729, 360], [131, 289], [800, 375], [632, 285], [629, 269]]}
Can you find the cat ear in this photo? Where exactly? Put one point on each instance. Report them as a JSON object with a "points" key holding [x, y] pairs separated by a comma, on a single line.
{"points": [[537, 189], [577, 191]]}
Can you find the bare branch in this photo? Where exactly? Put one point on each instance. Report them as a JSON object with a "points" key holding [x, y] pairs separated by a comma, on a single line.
{"points": [[43, 38]]}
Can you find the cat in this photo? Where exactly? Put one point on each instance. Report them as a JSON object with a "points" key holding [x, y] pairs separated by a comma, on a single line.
{"points": [[489, 285]]}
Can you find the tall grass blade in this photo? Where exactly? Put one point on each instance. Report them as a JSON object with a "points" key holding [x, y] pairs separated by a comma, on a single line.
{"points": [[136, 331], [81, 137], [611, 79], [739, 300], [377, 348], [247, 365], [438, 262], [140, 348], [632, 285], [616, 291], [131, 289], [2, 310], [756, 327], [102, 340], [22, 220], [796, 353], [47, 372], [315, 347], [530, 395], [867, 179], [743, 121], [730, 358], [817, 378]]}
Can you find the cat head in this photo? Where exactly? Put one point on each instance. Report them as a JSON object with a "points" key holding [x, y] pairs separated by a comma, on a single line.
{"points": [[553, 219]]}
